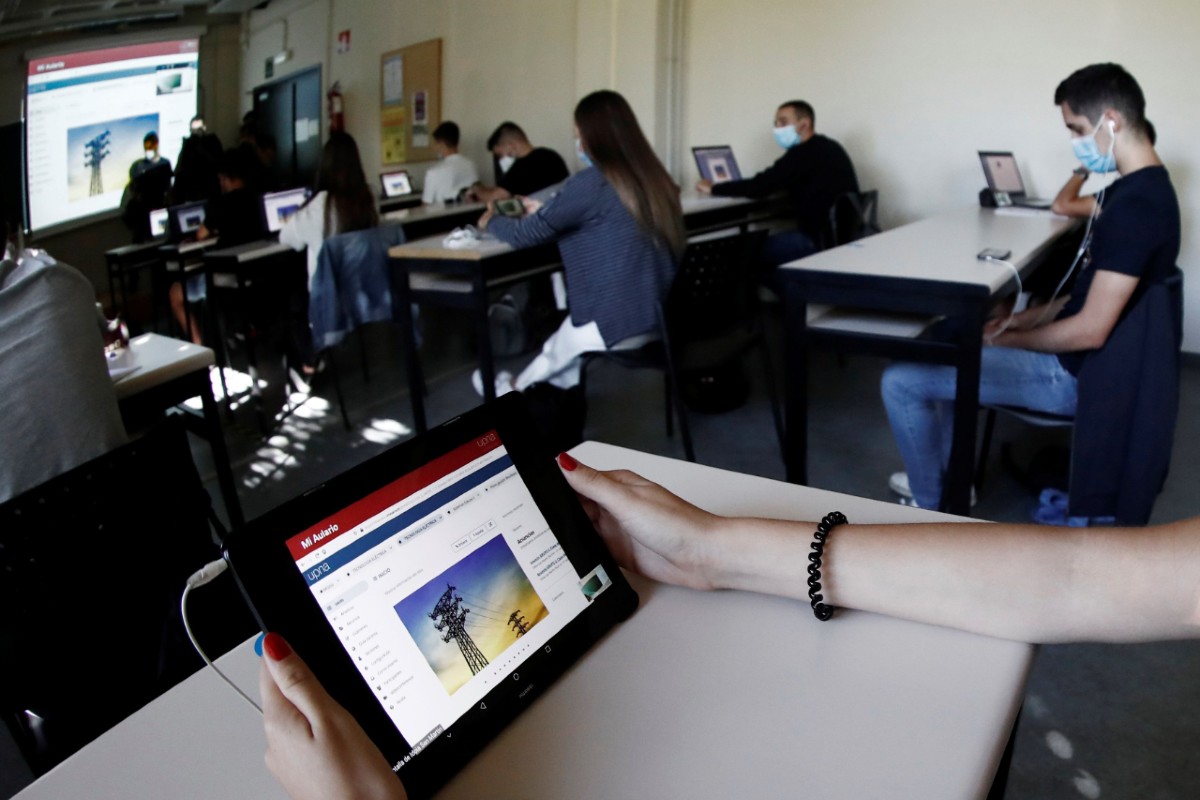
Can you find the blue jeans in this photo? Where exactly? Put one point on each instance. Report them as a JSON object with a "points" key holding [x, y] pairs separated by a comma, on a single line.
{"points": [[919, 399], [780, 248]]}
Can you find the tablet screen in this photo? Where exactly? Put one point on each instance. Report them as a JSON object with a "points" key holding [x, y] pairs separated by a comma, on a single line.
{"points": [[442, 583]]}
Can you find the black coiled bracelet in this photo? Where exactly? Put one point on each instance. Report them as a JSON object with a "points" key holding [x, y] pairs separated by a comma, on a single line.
{"points": [[820, 610]]}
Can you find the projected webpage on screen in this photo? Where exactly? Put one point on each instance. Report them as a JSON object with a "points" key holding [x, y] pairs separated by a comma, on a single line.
{"points": [[86, 116]]}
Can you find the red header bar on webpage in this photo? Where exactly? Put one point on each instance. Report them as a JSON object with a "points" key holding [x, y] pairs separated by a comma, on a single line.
{"points": [[355, 514], [42, 66]]}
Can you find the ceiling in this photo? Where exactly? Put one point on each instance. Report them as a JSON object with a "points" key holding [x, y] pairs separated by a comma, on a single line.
{"points": [[28, 18]]}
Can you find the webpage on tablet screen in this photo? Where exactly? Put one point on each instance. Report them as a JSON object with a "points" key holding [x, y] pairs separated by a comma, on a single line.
{"points": [[440, 584]]}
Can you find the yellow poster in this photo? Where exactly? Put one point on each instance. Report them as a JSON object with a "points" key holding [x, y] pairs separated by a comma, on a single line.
{"points": [[394, 130]]}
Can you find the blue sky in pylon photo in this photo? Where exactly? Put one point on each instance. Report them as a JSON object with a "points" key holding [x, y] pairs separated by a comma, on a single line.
{"points": [[124, 147], [493, 587]]}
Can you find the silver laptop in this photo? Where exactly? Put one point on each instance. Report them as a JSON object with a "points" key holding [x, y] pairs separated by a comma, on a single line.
{"points": [[1000, 169], [278, 207]]}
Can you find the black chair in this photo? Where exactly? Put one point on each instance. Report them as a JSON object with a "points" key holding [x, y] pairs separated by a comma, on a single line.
{"points": [[1039, 419], [852, 216], [709, 318], [94, 562]]}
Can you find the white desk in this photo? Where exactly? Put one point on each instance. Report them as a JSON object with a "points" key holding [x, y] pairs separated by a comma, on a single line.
{"points": [[166, 373], [927, 268], [699, 695]]}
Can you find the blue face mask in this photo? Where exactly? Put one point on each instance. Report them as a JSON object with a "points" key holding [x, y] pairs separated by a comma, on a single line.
{"points": [[1088, 152], [582, 156], [786, 136]]}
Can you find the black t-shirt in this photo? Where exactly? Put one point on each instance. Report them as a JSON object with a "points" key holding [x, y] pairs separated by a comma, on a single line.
{"points": [[1137, 234], [542, 167], [236, 217], [813, 173]]}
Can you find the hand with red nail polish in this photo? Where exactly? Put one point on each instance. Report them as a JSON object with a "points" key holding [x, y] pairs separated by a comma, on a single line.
{"points": [[314, 747]]}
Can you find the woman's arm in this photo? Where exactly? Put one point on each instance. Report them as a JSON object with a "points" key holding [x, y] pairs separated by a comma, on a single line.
{"points": [[569, 209], [1022, 582]]}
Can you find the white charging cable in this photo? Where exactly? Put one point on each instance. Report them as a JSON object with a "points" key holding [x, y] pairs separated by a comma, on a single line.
{"points": [[199, 578], [1020, 288]]}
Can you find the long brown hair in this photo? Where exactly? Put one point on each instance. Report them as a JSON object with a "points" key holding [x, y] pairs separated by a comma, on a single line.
{"points": [[614, 140], [341, 176]]}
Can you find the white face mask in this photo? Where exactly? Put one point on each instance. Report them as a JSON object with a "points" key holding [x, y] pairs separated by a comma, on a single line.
{"points": [[506, 163], [151, 155]]}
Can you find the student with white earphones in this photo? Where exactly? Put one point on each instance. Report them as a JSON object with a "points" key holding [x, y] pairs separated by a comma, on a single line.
{"points": [[1034, 358]]}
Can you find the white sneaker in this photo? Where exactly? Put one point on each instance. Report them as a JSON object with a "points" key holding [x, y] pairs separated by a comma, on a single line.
{"points": [[898, 483], [504, 382]]}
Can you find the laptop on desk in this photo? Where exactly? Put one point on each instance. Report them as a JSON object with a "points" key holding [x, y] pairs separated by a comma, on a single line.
{"points": [[717, 163], [1003, 177], [184, 220], [395, 184], [160, 223], [278, 207]]}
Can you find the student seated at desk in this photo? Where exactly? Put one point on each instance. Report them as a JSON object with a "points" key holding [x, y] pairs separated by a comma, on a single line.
{"points": [[1021, 582], [343, 201], [235, 216], [453, 173], [619, 228], [525, 169], [1116, 324], [813, 171]]}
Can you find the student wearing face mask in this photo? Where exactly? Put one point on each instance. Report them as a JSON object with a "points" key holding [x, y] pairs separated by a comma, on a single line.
{"points": [[812, 171], [525, 169], [1107, 353], [149, 182]]}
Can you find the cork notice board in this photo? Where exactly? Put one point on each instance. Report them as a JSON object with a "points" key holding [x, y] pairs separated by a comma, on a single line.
{"points": [[410, 101]]}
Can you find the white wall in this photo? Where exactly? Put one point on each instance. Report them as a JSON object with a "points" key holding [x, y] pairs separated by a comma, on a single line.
{"points": [[914, 89], [911, 89]]}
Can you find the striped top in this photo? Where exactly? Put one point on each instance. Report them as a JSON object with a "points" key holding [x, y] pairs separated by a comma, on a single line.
{"points": [[617, 272]]}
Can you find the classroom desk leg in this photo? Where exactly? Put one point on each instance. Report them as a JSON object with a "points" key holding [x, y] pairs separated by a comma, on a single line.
{"points": [[487, 366], [216, 441], [402, 313], [251, 356], [795, 386], [956, 491]]}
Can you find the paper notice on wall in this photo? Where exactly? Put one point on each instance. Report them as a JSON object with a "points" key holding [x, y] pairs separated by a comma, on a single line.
{"points": [[314, 127], [393, 132], [420, 107], [302, 130], [420, 136], [393, 80]]}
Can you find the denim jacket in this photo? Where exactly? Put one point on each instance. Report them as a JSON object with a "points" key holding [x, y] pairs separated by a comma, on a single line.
{"points": [[351, 286]]}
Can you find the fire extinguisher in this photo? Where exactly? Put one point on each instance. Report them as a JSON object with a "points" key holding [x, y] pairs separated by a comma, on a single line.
{"points": [[337, 117]]}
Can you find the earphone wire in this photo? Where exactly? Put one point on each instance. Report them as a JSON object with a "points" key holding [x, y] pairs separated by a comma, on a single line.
{"points": [[1084, 245], [200, 578], [1020, 289]]}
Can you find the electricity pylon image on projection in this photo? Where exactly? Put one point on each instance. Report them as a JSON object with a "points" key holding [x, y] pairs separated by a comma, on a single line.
{"points": [[448, 615], [95, 151]]}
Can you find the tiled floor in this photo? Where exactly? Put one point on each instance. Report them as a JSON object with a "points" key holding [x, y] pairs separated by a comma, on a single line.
{"points": [[1099, 721]]}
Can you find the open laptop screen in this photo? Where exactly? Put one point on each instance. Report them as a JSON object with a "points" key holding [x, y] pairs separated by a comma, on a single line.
{"points": [[279, 206], [1001, 172], [187, 218], [159, 220], [395, 184], [717, 164]]}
